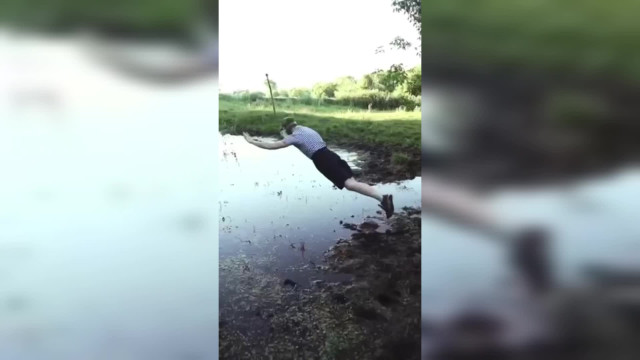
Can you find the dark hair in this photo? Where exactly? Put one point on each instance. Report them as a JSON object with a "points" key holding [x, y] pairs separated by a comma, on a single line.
{"points": [[288, 124]]}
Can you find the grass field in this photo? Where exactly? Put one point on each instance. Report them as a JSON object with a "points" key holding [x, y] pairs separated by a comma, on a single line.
{"points": [[162, 18], [576, 38], [392, 135], [338, 125]]}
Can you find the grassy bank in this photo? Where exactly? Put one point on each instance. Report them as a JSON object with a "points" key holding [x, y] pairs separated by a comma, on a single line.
{"points": [[135, 18], [358, 99], [557, 82], [392, 138], [571, 38]]}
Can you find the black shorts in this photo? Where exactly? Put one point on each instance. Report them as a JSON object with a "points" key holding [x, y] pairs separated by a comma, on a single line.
{"points": [[332, 166]]}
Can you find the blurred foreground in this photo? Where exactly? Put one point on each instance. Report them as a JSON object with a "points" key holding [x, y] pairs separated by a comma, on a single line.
{"points": [[108, 215]]}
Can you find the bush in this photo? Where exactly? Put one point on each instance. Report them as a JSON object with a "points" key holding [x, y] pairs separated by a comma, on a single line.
{"points": [[322, 90], [300, 93], [283, 93], [378, 100], [227, 97], [359, 100], [245, 95]]}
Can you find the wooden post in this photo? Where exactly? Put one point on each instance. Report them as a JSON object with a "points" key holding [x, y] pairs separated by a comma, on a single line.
{"points": [[271, 93]]}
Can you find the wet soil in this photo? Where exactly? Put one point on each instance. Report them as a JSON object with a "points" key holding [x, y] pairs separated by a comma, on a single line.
{"points": [[377, 165], [515, 135], [373, 315]]}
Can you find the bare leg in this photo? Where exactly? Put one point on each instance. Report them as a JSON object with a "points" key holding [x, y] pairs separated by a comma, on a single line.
{"points": [[528, 247], [362, 188], [458, 205]]}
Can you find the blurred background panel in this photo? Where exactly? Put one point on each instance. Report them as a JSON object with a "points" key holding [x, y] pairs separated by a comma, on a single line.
{"points": [[534, 104], [163, 41], [555, 82], [108, 214], [161, 18]]}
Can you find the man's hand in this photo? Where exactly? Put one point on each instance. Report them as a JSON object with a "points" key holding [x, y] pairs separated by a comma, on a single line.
{"points": [[265, 144]]}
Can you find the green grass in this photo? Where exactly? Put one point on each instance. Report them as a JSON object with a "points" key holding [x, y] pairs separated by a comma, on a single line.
{"points": [[140, 17], [354, 99], [583, 39], [393, 130]]}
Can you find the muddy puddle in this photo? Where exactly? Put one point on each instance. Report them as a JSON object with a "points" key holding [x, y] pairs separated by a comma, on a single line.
{"points": [[291, 267], [593, 222], [275, 204]]}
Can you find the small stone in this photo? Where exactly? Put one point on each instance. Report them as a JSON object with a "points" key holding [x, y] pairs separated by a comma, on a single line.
{"points": [[368, 226], [350, 226], [366, 313], [340, 299], [385, 300]]}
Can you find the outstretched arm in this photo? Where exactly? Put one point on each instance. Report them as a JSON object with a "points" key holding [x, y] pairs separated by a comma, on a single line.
{"points": [[265, 145]]}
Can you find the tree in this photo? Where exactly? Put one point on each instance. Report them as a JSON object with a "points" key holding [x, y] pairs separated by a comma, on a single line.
{"points": [[300, 93], [400, 43], [413, 83], [346, 84], [392, 78], [346, 81], [367, 82], [413, 10], [324, 90]]}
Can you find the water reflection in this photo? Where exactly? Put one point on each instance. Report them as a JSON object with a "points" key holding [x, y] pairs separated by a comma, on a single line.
{"points": [[593, 222], [276, 204]]}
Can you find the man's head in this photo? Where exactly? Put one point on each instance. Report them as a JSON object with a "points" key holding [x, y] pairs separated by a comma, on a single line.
{"points": [[288, 125]]}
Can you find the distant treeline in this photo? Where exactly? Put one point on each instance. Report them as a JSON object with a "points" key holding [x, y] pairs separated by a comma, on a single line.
{"points": [[380, 90]]}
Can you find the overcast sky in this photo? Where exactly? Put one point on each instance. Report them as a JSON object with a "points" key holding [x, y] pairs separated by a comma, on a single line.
{"points": [[300, 43]]}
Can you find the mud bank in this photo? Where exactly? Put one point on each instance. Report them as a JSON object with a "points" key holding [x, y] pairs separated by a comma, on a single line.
{"points": [[385, 165], [374, 314], [519, 128]]}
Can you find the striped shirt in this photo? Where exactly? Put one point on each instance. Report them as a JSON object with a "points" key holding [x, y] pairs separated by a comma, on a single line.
{"points": [[306, 140]]}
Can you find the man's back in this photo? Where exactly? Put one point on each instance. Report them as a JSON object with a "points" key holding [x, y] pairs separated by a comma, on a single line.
{"points": [[306, 140]]}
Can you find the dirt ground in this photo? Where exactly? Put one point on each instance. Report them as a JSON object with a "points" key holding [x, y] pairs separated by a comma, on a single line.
{"points": [[374, 315]]}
